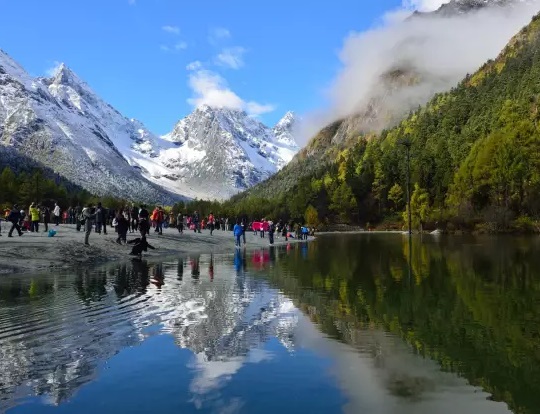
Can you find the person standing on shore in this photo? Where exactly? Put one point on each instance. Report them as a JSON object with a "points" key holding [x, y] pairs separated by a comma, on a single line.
{"points": [[237, 231], [72, 215], [34, 216], [78, 213], [271, 231], [14, 217], [160, 218], [144, 221], [122, 226], [180, 223], [87, 218], [134, 219], [56, 213], [100, 218], [196, 222], [46, 215], [211, 223]]}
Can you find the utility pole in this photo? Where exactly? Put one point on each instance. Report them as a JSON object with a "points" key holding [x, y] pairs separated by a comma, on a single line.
{"points": [[409, 185], [407, 144], [37, 189]]}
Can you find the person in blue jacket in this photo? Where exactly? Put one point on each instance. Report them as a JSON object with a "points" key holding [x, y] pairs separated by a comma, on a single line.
{"points": [[238, 230]]}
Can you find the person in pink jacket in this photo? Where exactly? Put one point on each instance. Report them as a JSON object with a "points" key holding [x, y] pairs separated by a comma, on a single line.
{"points": [[264, 227]]}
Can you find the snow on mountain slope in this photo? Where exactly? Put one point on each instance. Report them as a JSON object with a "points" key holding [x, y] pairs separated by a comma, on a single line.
{"points": [[129, 135], [220, 151], [457, 7], [61, 124]]}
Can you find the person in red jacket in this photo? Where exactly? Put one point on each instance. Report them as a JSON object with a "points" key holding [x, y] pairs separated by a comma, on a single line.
{"points": [[159, 217], [211, 223]]}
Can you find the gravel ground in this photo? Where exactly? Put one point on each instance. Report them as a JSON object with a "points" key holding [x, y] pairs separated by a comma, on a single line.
{"points": [[37, 252]]}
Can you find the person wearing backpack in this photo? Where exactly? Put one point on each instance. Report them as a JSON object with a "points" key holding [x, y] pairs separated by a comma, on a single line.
{"points": [[87, 218]]}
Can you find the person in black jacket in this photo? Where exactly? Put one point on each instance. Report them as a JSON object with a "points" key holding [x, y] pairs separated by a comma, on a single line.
{"points": [[144, 221], [101, 219], [122, 226], [271, 231], [14, 217], [196, 221], [134, 219], [46, 215]]}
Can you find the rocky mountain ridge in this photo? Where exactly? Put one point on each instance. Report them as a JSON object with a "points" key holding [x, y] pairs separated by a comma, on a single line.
{"points": [[60, 123]]}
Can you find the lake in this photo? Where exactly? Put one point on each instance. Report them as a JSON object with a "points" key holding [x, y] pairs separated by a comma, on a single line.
{"points": [[367, 323]]}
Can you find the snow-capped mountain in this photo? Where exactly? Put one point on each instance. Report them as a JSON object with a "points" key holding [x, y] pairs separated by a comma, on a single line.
{"points": [[60, 123], [456, 7], [221, 151], [284, 130], [129, 135]]}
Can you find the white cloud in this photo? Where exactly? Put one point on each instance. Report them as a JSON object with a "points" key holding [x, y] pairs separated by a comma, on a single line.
{"points": [[231, 57], [180, 46], [393, 68], [196, 65], [256, 109], [209, 88], [175, 30], [177, 47], [217, 34], [51, 71]]}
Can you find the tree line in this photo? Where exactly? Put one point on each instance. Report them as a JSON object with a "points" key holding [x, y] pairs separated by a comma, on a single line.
{"points": [[475, 159]]}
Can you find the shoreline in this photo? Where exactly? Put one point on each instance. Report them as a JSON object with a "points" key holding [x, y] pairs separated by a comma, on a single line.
{"points": [[35, 252]]}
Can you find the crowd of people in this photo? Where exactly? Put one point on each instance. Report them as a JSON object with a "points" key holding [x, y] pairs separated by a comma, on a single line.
{"points": [[138, 219]]}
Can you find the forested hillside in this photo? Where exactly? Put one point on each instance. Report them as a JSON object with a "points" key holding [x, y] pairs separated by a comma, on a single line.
{"points": [[475, 157]]}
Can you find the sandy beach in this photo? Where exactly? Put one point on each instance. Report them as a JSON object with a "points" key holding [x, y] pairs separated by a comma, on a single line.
{"points": [[36, 252]]}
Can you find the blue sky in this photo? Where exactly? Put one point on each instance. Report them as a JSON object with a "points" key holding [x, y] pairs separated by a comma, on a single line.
{"points": [[155, 59]]}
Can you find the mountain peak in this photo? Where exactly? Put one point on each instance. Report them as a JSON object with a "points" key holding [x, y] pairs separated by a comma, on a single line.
{"points": [[220, 110], [65, 76], [284, 130], [456, 7], [287, 121]]}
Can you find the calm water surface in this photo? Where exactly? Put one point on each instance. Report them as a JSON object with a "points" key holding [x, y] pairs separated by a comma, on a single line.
{"points": [[354, 324]]}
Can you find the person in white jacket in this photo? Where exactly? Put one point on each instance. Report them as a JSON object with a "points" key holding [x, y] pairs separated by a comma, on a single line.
{"points": [[56, 213]]}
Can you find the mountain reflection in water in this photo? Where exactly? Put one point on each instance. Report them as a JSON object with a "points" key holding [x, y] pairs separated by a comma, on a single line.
{"points": [[345, 324]]}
